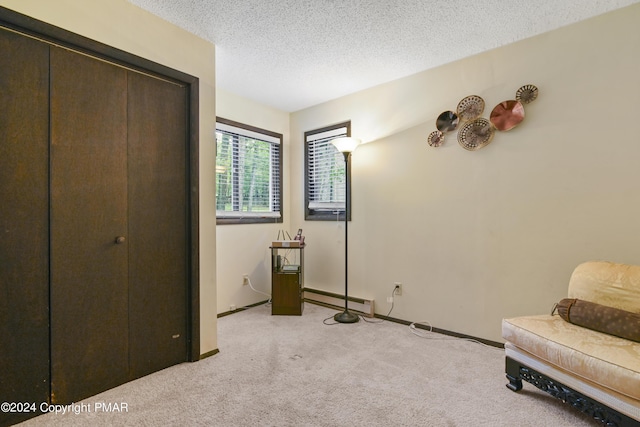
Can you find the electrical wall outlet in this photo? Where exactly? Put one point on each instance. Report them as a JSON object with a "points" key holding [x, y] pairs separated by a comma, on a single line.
{"points": [[398, 289], [389, 300], [232, 307], [245, 279]]}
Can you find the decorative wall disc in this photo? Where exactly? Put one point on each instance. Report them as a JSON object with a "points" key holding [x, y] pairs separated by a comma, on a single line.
{"points": [[436, 138], [527, 94], [470, 108], [447, 121], [507, 115], [476, 134], [476, 131]]}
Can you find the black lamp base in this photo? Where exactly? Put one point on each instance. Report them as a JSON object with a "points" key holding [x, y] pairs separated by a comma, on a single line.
{"points": [[346, 317]]}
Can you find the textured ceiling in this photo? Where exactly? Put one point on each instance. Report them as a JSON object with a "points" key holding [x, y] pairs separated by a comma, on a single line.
{"points": [[292, 54]]}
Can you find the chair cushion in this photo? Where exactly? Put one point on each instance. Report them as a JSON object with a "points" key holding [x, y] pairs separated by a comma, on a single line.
{"points": [[607, 283], [606, 360]]}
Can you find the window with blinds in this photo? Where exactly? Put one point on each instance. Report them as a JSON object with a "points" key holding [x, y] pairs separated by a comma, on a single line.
{"points": [[248, 174], [325, 190]]}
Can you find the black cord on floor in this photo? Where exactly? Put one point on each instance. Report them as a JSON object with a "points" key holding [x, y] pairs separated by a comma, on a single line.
{"points": [[390, 310], [330, 324]]}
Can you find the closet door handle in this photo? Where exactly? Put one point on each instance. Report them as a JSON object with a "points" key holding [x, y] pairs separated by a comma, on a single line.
{"points": [[120, 239]]}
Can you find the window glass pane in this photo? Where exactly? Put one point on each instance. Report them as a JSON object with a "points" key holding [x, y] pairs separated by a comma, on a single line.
{"points": [[326, 176], [325, 189], [248, 174]]}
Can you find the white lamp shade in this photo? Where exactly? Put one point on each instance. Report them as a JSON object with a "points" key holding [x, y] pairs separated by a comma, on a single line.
{"points": [[346, 144]]}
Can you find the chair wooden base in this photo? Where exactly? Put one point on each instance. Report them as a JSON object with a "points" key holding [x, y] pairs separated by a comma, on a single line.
{"points": [[516, 372]]}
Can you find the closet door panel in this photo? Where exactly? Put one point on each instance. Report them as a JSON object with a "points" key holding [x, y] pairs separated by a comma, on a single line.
{"points": [[89, 290], [157, 121], [24, 221]]}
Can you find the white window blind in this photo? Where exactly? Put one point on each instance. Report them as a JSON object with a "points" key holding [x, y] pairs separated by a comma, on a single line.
{"points": [[326, 172], [248, 173]]}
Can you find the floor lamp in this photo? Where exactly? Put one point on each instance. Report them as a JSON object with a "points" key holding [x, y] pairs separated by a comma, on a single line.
{"points": [[346, 146]]}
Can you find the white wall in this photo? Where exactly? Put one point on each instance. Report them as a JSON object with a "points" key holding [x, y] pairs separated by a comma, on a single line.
{"points": [[473, 236], [119, 24], [244, 249], [478, 236]]}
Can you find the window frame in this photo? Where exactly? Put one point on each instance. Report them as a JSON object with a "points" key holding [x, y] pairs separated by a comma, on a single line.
{"points": [[321, 215], [255, 218]]}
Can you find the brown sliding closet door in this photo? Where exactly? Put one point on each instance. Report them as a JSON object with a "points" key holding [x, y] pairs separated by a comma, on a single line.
{"points": [[98, 217], [89, 230], [119, 224], [24, 222], [157, 224]]}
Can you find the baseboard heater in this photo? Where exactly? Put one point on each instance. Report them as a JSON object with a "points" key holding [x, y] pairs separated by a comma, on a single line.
{"points": [[328, 299]]}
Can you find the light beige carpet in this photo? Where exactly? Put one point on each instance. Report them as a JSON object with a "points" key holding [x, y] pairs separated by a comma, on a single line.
{"points": [[296, 371]]}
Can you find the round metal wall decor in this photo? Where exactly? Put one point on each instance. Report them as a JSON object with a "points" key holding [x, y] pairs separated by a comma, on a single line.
{"points": [[476, 134], [527, 94], [447, 121], [436, 138], [470, 108], [507, 115]]}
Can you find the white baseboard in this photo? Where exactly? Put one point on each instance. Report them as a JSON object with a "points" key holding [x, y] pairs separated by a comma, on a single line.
{"points": [[360, 305]]}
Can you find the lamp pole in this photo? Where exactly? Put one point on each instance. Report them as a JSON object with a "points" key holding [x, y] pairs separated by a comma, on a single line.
{"points": [[346, 146]]}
